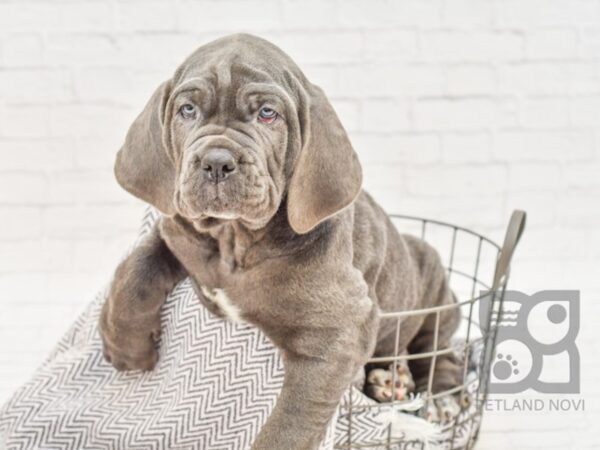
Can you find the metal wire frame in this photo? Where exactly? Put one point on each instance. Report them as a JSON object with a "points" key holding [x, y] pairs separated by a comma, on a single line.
{"points": [[465, 348]]}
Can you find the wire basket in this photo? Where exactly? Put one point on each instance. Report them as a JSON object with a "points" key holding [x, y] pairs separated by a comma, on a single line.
{"points": [[477, 270]]}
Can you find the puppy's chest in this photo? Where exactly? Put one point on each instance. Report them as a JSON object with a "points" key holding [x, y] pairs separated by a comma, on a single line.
{"points": [[224, 283], [222, 291], [218, 301]]}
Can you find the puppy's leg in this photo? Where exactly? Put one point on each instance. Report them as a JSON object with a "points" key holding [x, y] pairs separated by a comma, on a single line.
{"points": [[130, 318], [315, 379]]}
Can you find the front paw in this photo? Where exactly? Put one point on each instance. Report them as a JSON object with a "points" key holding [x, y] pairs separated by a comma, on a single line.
{"points": [[129, 344]]}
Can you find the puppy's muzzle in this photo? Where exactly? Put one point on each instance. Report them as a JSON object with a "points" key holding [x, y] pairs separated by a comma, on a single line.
{"points": [[218, 164]]}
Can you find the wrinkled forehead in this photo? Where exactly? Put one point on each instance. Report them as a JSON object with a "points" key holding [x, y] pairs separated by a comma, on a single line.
{"points": [[237, 60]]}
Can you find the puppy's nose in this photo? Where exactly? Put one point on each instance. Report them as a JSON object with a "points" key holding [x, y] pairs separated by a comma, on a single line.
{"points": [[218, 164]]}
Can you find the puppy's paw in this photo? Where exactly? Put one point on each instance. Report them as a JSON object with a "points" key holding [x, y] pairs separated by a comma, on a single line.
{"points": [[380, 383], [128, 345], [443, 409]]}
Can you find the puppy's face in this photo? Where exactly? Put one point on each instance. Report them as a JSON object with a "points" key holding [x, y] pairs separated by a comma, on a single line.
{"points": [[228, 131], [233, 134]]}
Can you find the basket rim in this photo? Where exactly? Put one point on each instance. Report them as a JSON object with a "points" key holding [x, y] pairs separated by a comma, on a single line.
{"points": [[446, 224]]}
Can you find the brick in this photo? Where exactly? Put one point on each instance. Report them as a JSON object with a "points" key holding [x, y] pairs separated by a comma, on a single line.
{"points": [[23, 50], [88, 120], [37, 86], [36, 154], [312, 14], [515, 13], [162, 52], [397, 79], [534, 78], [454, 45], [584, 177], [87, 17], [585, 110], [456, 114], [549, 113], [466, 147], [74, 222], [94, 50], [576, 210], [527, 177], [97, 152], [386, 45], [208, 16], [543, 146], [11, 286], [385, 115], [143, 84], [446, 181], [35, 255], [108, 252], [471, 79], [566, 244], [469, 13], [377, 13], [319, 48], [67, 290], [147, 16], [384, 178], [29, 17], [85, 187], [394, 149], [20, 223], [552, 44], [594, 244], [508, 111], [43, 16], [111, 84], [584, 78], [40, 16], [23, 188], [24, 121], [590, 42], [70, 288]]}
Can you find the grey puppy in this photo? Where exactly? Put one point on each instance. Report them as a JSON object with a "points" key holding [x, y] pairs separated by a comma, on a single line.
{"points": [[260, 192]]}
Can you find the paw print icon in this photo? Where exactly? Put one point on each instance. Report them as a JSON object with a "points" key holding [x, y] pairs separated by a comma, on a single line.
{"points": [[535, 342], [505, 367]]}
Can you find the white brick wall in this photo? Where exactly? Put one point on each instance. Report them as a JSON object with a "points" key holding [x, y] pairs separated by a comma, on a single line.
{"points": [[460, 110]]}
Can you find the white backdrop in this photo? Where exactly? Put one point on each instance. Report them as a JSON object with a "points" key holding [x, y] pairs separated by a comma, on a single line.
{"points": [[460, 110]]}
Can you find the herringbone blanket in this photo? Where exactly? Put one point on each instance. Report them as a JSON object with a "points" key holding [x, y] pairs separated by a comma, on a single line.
{"points": [[213, 388]]}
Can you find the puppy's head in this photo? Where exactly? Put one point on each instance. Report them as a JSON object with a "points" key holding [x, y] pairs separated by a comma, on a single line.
{"points": [[236, 131]]}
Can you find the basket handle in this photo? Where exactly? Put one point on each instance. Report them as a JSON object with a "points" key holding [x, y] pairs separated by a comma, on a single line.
{"points": [[515, 229]]}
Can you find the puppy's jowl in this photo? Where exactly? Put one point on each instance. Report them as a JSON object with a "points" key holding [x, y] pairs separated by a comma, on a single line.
{"points": [[260, 192]]}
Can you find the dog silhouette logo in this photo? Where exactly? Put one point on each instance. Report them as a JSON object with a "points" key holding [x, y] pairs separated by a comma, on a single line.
{"points": [[535, 343]]}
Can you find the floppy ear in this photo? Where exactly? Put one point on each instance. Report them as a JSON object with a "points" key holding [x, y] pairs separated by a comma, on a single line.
{"points": [[143, 166], [327, 176]]}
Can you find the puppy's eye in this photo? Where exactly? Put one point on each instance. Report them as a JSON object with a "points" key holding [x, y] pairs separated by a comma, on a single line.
{"points": [[267, 115], [188, 111]]}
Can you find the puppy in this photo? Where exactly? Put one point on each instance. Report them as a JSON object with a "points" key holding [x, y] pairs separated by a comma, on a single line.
{"points": [[262, 207]]}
